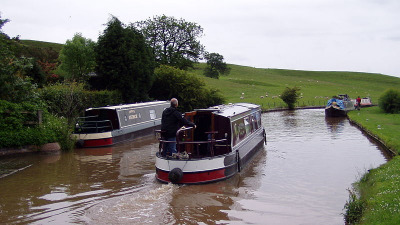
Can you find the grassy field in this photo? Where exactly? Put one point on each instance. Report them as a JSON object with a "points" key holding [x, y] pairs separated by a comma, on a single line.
{"points": [[316, 87]]}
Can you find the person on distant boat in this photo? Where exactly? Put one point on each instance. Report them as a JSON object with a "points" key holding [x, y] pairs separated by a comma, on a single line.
{"points": [[358, 105], [171, 121]]}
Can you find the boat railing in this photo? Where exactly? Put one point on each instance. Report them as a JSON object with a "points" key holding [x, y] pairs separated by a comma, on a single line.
{"points": [[92, 126], [211, 142]]}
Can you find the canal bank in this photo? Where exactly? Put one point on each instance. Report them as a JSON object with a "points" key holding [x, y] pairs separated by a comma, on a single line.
{"points": [[377, 191]]}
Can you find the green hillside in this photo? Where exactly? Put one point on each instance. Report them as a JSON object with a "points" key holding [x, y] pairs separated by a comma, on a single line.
{"points": [[41, 44], [43, 51], [316, 86]]}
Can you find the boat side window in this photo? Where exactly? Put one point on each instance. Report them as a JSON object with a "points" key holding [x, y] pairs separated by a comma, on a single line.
{"points": [[258, 118], [239, 130], [153, 114], [254, 121], [248, 124]]}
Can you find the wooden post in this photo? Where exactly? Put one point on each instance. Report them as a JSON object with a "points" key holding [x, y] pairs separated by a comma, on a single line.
{"points": [[40, 116]]}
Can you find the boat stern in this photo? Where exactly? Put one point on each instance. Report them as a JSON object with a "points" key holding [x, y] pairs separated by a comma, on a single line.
{"points": [[93, 140], [194, 171]]}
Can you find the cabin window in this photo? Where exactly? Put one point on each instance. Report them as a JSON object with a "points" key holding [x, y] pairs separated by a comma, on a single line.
{"points": [[258, 118], [152, 114], [248, 124], [239, 130]]}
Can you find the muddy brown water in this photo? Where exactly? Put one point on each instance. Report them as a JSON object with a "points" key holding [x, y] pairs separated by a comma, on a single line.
{"points": [[300, 177]]}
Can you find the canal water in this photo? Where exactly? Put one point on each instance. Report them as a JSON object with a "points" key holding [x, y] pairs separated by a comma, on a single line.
{"points": [[300, 177]]}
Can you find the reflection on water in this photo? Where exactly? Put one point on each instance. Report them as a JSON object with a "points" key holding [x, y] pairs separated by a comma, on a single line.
{"points": [[301, 177], [335, 125]]}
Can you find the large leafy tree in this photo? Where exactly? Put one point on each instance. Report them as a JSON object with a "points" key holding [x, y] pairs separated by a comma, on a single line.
{"points": [[192, 92], [215, 65], [174, 41], [124, 62], [77, 58]]}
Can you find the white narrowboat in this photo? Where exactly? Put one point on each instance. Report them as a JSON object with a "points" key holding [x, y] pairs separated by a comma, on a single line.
{"points": [[106, 126], [224, 141]]}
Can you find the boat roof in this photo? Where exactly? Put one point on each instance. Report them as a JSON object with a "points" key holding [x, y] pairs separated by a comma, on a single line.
{"points": [[133, 105], [230, 109]]}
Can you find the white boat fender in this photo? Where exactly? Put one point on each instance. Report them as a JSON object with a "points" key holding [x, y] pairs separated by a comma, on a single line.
{"points": [[175, 175]]}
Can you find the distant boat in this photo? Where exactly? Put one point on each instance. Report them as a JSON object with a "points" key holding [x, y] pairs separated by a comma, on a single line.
{"points": [[106, 126], [338, 107], [225, 140], [365, 102]]}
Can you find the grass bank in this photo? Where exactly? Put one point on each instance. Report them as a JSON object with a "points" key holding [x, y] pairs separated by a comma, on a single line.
{"points": [[382, 125], [379, 189]]}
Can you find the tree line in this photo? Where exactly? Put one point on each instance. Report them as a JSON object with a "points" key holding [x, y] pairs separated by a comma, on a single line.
{"points": [[125, 57], [141, 61]]}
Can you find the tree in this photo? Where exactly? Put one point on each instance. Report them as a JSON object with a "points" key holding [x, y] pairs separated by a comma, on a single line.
{"points": [[15, 86], [124, 62], [290, 96], [174, 41], [6, 59], [215, 65], [77, 58], [190, 90]]}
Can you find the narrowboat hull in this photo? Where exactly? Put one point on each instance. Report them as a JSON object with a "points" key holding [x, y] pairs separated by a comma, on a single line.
{"points": [[211, 169], [335, 112], [106, 126], [105, 139]]}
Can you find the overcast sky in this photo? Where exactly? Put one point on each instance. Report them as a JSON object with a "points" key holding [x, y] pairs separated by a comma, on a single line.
{"points": [[327, 35]]}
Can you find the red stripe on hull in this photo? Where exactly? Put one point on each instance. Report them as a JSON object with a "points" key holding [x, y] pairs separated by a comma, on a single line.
{"points": [[98, 142], [194, 178]]}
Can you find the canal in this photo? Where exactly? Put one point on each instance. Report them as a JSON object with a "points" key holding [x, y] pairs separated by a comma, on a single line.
{"points": [[300, 177]]}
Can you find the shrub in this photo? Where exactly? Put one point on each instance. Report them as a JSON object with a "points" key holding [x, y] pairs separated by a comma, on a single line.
{"points": [[14, 132], [390, 101], [188, 89], [102, 98], [12, 116], [64, 100], [290, 96], [69, 100]]}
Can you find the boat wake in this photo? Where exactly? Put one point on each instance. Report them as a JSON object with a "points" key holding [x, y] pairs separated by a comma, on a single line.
{"points": [[149, 205]]}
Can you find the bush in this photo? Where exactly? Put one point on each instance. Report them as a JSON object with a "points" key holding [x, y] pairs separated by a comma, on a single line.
{"points": [[290, 96], [14, 132], [70, 100], [102, 98], [188, 89], [12, 116], [390, 101]]}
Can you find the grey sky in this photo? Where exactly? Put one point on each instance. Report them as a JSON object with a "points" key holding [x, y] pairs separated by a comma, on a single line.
{"points": [[328, 35]]}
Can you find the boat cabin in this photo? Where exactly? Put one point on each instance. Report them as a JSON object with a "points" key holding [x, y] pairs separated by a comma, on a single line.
{"points": [[219, 129]]}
